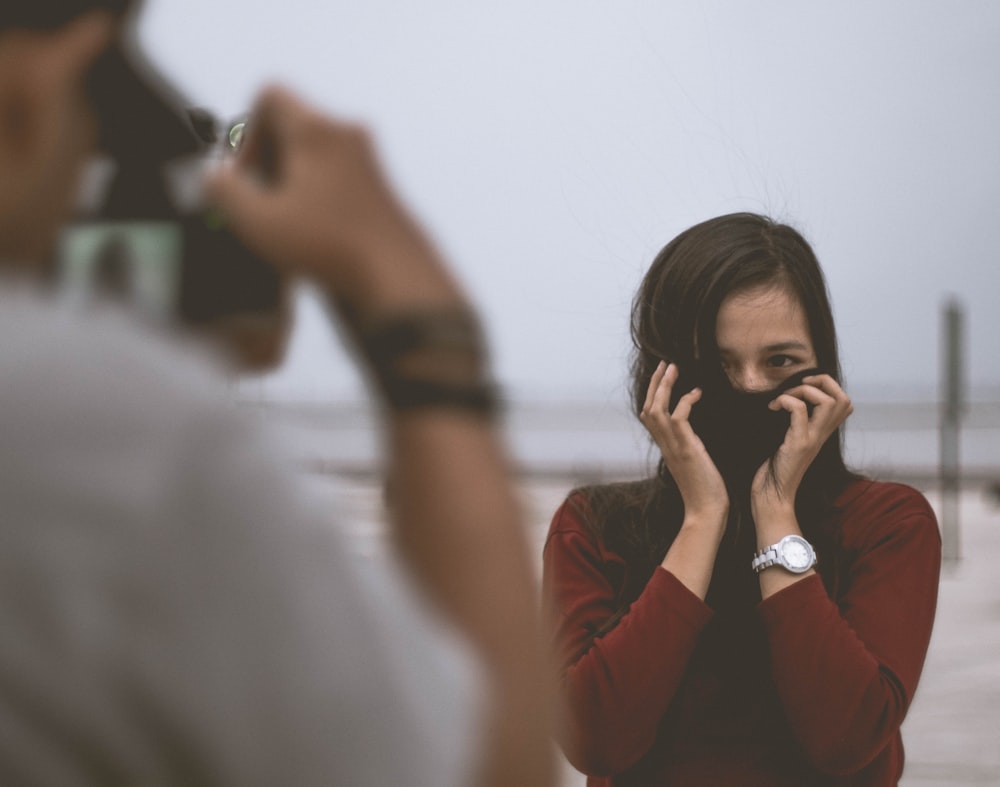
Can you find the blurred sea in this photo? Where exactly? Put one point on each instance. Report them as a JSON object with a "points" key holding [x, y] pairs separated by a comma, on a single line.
{"points": [[589, 441]]}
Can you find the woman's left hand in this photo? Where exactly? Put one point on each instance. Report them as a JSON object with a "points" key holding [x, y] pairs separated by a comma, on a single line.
{"points": [[805, 437]]}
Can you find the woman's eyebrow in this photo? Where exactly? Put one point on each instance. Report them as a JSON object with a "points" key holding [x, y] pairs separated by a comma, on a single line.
{"points": [[777, 347], [782, 346]]}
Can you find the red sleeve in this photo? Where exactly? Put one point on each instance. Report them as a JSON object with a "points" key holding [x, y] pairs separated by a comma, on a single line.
{"points": [[616, 688], [846, 672]]}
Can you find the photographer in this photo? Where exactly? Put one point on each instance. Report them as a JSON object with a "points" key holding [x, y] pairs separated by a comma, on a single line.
{"points": [[172, 612]]}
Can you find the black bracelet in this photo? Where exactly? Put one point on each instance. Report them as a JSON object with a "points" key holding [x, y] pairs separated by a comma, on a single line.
{"points": [[431, 333], [410, 394], [455, 330]]}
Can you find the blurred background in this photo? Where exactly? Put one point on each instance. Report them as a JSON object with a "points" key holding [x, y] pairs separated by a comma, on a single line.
{"points": [[553, 147]]}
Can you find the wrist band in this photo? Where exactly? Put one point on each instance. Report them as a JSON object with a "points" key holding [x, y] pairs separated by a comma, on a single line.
{"points": [[410, 394], [436, 338], [455, 330]]}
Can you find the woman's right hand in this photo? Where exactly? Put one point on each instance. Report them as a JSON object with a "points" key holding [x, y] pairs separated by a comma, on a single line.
{"points": [[698, 480]]}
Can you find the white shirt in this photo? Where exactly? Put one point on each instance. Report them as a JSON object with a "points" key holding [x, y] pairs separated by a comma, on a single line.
{"points": [[171, 611]]}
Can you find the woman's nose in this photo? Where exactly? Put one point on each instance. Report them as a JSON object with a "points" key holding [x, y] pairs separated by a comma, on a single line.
{"points": [[748, 379]]}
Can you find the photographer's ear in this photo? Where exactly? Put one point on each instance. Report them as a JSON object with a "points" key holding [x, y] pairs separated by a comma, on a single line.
{"points": [[47, 128], [43, 72]]}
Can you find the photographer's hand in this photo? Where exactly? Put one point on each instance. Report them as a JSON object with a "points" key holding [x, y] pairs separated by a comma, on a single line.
{"points": [[706, 502], [307, 193]]}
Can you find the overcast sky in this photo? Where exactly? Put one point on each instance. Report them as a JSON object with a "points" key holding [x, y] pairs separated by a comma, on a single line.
{"points": [[553, 147]]}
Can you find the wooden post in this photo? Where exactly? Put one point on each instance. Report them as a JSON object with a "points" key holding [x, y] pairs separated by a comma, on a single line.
{"points": [[952, 407]]}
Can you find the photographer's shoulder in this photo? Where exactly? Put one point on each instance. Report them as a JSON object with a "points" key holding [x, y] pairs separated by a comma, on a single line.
{"points": [[101, 359]]}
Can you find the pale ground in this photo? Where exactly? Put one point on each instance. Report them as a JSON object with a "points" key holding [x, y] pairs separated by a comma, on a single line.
{"points": [[952, 733]]}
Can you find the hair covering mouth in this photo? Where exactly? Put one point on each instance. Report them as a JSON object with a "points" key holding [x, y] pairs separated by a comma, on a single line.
{"points": [[739, 430]]}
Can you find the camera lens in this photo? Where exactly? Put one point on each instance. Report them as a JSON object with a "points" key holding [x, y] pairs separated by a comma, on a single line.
{"points": [[235, 135]]}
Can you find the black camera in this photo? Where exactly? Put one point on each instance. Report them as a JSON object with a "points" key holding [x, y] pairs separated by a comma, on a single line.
{"points": [[142, 233], [148, 240]]}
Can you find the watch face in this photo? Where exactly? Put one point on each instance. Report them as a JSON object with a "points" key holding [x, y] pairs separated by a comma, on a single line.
{"points": [[795, 554]]}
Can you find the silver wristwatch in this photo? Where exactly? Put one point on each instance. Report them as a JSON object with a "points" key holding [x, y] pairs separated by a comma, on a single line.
{"points": [[792, 553]]}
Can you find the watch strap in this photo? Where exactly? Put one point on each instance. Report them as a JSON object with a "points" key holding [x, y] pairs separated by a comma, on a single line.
{"points": [[772, 556], [766, 558]]}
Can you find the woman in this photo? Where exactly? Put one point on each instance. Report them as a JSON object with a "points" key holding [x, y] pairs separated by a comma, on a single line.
{"points": [[755, 614]]}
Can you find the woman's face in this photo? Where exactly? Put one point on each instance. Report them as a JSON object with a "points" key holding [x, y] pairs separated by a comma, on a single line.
{"points": [[763, 337]]}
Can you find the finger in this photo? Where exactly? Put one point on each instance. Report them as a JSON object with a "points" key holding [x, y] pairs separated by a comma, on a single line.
{"points": [[798, 415], [239, 188], [827, 384], [654, 384], [278, 122], [276, 111], [791, 403], [832, 388], [683, 409], [230, 190], [251, 209], [665, 390], [807, 393], [799, 421], [826, 417]]}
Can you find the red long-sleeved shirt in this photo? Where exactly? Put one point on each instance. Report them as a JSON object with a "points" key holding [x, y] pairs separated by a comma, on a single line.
{"points": [[808, 687]]}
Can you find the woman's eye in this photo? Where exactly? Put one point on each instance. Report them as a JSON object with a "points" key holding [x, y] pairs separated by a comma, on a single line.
{"points": [[781, 361]]}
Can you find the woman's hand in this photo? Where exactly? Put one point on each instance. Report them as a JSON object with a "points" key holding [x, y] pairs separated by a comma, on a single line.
{"points": [[691, 557], [698, 480], [805, 437]]}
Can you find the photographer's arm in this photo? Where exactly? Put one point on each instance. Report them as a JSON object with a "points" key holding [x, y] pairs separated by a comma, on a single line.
{"points": [[326, 212]]}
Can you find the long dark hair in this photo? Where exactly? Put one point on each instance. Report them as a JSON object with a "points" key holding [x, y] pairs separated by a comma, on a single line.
{"points": [[673, 319]]}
